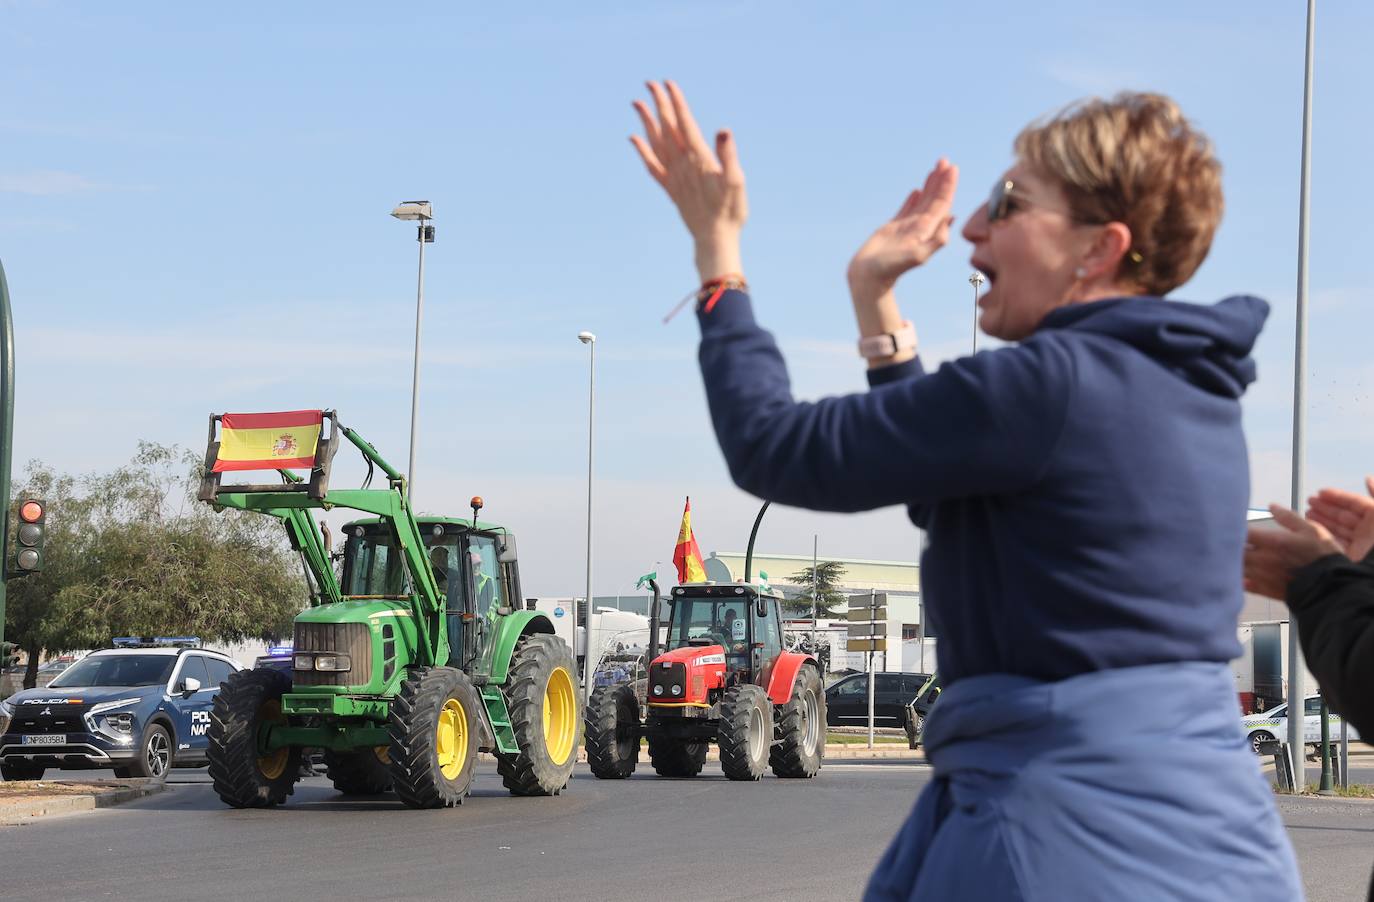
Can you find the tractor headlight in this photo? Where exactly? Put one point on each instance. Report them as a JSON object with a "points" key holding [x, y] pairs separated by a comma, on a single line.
{"points": [[677, 690], [333, 663], [658, 690], [303, 662]]}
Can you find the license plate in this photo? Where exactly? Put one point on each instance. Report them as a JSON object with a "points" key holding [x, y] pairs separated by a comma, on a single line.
{"points": [[44, 739]]}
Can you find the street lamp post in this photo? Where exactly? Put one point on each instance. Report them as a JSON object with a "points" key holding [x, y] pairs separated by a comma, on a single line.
{"points": [[976, 280], [588, 664], [1296, 694], [419, 212]]}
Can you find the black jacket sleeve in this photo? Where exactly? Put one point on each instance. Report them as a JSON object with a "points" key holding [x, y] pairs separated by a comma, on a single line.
{"points": [[1333, 602]]}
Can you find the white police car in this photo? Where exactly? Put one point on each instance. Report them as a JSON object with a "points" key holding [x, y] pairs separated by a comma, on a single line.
{"points": [[1273, 724], [139, 708]]}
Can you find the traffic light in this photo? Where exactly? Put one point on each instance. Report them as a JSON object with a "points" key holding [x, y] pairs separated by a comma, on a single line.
{"points": [[28, 550]]}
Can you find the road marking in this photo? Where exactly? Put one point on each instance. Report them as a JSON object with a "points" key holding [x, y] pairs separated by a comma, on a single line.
{"points": [[875, 766]]}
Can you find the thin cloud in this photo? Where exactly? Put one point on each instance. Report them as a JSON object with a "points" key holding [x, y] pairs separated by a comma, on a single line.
{"points": [[43, 182]]}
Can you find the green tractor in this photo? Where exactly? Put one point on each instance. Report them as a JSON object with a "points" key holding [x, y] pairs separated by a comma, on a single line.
{"points": [[404, 669]]}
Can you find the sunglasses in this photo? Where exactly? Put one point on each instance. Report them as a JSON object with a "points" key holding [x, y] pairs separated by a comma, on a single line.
{"points": [[1002, 203]]}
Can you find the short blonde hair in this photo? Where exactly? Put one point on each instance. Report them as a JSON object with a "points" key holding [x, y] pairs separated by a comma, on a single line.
{"points": [[1134, 159]]}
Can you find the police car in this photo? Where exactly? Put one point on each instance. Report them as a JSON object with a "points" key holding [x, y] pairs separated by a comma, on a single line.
{"points": [[1273, 724], [140, 708]]}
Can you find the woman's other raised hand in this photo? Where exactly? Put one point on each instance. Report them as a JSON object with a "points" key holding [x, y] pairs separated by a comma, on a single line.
{"points": [[706, 186], [920, 228]]}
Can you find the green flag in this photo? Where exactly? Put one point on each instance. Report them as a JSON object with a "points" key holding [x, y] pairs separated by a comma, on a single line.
{"points": [[645, 579]]}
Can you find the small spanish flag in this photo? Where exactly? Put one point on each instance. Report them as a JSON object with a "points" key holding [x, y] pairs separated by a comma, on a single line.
{"points": [[268, 441], [687, 556]]}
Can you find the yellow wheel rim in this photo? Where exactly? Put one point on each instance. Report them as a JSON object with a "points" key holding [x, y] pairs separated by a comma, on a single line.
{"points": [[560, 716], [272, 765], [383, 754], [451, 740]]}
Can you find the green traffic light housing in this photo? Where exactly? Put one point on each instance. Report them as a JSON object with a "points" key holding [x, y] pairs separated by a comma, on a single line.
{"points": [[28, 551]]}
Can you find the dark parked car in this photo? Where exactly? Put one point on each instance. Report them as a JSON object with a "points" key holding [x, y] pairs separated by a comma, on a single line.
{"points": [[918, 708], [846, 701]]}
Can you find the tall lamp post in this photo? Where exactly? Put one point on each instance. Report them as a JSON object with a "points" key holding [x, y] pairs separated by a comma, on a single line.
{"points": [[976, 280], [1295, 665], [588, 664], [419, 212]]}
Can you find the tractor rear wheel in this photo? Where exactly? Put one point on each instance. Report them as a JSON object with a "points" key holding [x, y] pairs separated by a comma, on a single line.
{"points": [[745, 733], [801, 728], [612, 731], [360, 772], [434, 737], [676, 757], [541, 695], [243, 775]]}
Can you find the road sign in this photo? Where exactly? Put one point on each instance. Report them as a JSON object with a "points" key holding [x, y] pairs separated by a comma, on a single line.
{"points": [[866, 645], [868, 601], [863, 614], [857, 630]]}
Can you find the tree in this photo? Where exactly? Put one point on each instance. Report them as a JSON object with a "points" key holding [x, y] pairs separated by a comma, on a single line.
{"points": [[132, 552], [828, 596]]}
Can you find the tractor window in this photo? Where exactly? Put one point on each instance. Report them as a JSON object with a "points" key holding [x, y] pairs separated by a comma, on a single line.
{"points": [[766, 632], [485, 574], [709, 621], [375, 565]]}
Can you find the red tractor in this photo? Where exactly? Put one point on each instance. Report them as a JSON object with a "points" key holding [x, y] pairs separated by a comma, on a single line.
{"points": [[723, 676]]}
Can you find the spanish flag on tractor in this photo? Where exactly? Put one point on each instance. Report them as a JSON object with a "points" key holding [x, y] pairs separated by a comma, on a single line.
{"points": [[687, 556], [268, 441]]}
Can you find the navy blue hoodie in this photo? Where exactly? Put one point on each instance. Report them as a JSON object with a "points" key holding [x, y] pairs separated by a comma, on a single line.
{"points": [[1084, 492]]}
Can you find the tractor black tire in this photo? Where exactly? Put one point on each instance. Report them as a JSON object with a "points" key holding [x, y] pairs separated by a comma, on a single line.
{"points": [[612, 731], [360, 772], [676, 757], [542, 675], [801, 728], [427, 770], [745, 733], [17, 770], [242, 778]]}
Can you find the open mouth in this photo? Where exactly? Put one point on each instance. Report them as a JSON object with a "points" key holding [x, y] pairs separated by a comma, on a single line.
{"points": [[989, 273]]}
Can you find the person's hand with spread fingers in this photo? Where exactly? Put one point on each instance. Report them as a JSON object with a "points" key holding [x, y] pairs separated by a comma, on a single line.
{"points": [[1347, 516], [1083, 489]]}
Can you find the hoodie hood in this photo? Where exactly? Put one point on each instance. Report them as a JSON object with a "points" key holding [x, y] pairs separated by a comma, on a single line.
{"points": [[1206, 345]]}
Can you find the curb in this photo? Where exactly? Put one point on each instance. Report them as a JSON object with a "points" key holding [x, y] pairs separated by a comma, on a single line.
{"points": [[21, 812], [833, 752]]}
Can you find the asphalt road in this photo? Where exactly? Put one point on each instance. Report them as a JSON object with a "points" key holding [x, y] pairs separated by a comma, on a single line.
{"points": [[644, 837]]}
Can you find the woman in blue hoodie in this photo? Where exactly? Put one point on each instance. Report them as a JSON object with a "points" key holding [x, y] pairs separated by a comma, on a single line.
{"points": [[1084, 493]]}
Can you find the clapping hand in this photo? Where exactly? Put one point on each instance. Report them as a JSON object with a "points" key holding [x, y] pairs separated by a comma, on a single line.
{"points": [[920, 228], [1347, 516], [1272, 556], [706, 186]]}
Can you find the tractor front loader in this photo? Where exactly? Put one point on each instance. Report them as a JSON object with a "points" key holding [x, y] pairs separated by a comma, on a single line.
{"points": [[405, 668]]}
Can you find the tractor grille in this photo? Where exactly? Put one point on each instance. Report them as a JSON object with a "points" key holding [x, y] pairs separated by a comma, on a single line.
{"points": [[667, 675], [350, 639], [30, 718]]}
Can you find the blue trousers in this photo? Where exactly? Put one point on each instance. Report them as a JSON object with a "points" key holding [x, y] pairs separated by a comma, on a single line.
{"points": [[1129, 784]]}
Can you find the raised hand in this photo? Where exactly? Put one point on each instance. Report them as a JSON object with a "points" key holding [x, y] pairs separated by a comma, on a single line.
{"points": [[920, 228], [706, 186], [1272, 556], [1349, 518]]}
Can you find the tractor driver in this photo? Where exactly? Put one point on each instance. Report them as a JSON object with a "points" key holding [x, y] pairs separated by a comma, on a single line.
{"points": [[447, 580], [482, 582], [728, 630]]}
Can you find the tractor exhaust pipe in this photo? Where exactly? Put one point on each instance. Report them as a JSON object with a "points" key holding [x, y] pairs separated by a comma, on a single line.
{"points": [[653, 623]]}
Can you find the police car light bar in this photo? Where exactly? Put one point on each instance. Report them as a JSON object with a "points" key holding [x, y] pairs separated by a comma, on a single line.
{"points": [[278, 650], [157, 642]]}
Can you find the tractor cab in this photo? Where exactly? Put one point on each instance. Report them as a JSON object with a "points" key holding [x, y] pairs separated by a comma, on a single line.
{"points": [[742, 624], [474, 569]]}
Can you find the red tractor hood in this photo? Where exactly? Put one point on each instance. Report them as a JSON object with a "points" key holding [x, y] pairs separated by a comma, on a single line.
{"points": [[702, 669]]}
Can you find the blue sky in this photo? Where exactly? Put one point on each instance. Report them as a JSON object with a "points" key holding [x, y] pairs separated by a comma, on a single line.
{"points": [[193, 217]]}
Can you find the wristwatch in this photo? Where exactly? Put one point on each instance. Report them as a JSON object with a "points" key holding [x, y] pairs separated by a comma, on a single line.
{"points": [[889, 343]]}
